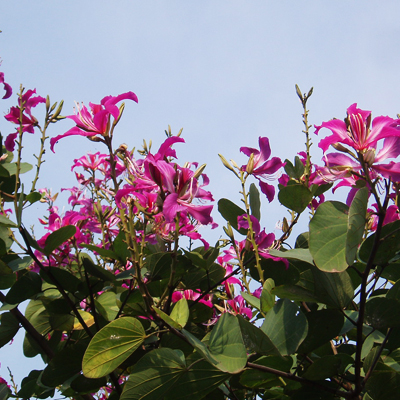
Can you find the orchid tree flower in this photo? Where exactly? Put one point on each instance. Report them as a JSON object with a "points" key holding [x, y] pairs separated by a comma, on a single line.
{"points": [[27, 101], [356, 132], [96, 122], [261, 167]]}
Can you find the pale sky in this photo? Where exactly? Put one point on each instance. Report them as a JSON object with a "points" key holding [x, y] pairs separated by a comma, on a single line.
{"points": [[225, 71]]}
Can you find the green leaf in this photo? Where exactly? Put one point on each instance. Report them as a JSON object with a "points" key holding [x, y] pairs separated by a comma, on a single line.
{"points": [[20, 263], [96, 270], [9, 327], [225, 349], [276, 270], [333, 289], [286, 326], [84, 385], [323, 368], [389, 244], [12, 167], [295, 254], [255, 204], [328, 234], [164, 374], [5, 391], [7, 222], [57, 238], [64, 365], [323, 326], [180, 312], [255, 339], [382, 313], [7, 277], [33, 197], [383, 385], [251, 300], [154, 375], [111, 346], [295, 293], [356, 224], [226, 344], [267, 298], [295, 197], [255, 378], [230, 212], [68, 281], [106, 305], [166, 318], [101, 251], [24, 288]]}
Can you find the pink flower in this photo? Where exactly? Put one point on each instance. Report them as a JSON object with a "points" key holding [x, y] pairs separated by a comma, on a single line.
{"points": [[262, 168], [96, 121], [355, 130], [7, 87], [28, 122]]}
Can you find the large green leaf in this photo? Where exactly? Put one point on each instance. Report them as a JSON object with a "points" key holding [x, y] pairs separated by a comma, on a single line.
{"points": [[296, 197], [323, 368], [5, 221], [255, 339], [180, 312], [333, 289], [9, 327], [323, 325], [384, 385], [382, 313], [389, 244], [111, 346], [106, 305], [255, 378], [295, 254], [165, 374], [267, 299], [286, 326], [57, 238], [225, 349], [25, 287], [328, 234], [356, 224], [68, 281], [64, 365], [7, 276], [230, 212]]}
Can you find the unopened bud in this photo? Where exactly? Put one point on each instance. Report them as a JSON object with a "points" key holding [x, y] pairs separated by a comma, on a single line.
{"points": [[229, 232], [47, 103], [234, 164], [285, 225], [250, 164], [369, 156], [225, 162]]}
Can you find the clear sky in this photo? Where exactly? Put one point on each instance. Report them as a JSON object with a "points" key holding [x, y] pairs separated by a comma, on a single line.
{"points": [[223, 70]]}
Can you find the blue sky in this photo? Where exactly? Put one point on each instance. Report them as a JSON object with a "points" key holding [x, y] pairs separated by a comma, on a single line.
{"points": [[225, 71]]}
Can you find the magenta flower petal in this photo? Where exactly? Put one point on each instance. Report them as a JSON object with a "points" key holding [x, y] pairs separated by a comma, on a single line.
{"points": [[390, 171], [267, 189], [390, 149], [9, 143], [7, 87], [72, 132]]}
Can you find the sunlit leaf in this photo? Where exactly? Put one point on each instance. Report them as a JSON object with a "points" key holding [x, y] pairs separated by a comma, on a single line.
{"points": [[112, 345]]}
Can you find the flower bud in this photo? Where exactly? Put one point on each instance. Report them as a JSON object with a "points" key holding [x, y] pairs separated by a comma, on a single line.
{"points": [[250, 164], [225, 162]]}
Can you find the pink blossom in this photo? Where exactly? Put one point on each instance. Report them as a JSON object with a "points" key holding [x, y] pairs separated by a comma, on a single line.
{"points": [[355, 130], [96, 121], [262, 168], [28, 122]]}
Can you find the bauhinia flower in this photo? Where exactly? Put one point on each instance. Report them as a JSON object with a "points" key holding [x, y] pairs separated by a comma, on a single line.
{"points": [[27, 101], [260, 167], [97, 121], [356, 132]]}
